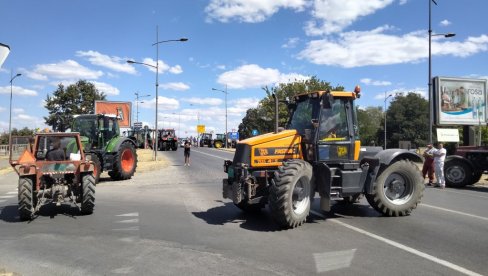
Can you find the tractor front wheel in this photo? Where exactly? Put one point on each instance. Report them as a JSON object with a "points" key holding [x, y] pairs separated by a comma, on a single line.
{"points": [[217, 144], [125, 162], [397, 190], [290, 199], [27, 198], [87, 194], [97, 170]]}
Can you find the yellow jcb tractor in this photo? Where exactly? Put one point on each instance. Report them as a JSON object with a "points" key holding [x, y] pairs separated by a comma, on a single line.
{"points": [[319, 151]]}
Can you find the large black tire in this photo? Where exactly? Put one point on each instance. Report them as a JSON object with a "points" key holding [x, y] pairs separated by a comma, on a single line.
{"points": [[457, 173], [290, 193], [125, 162], [97, 170], [218, 144], [87, 194], [244, 205], [27, 198], [397, 190]]}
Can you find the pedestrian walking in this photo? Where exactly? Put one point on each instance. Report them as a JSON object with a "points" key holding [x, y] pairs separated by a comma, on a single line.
{"points": [[428, 168], [439, 157], [186, 152]]}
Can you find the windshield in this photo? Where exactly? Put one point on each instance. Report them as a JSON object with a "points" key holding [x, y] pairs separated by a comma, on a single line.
{"points": [[86, 127], [305, 111], [333, 122]]}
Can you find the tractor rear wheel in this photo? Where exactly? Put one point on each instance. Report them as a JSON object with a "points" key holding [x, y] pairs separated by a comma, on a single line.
{"points": [[97, 170], [87, 194], [125, 162], [289, 198], [217, 144], [397, 190], [27, 198], [458, 174]]}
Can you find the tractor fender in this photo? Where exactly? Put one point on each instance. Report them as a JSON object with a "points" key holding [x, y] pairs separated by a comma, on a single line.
{"points": [[390, 156], [114, 145]]}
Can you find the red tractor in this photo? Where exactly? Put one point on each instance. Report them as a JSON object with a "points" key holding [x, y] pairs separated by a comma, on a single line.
{"points": [[52, 169]]}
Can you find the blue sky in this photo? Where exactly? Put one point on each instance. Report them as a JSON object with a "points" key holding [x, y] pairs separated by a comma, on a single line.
{"points": [[381, 45]]}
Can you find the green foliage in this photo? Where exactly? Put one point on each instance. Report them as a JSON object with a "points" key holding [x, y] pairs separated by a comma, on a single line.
{"points": [[78, 98], [16, 132], [262, 117], [407, 120], [370, 120]]}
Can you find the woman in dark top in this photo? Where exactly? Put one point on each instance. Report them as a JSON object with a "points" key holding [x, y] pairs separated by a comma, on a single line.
{"points": [[187, 153]]}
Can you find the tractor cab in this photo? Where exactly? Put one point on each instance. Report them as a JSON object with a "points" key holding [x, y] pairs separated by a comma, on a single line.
{"points": [[328, 125], [96, 130]]}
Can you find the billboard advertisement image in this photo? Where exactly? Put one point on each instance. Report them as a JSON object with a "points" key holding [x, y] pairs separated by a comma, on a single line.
{"points": [[4, 51], [120, 109], [460, 101]]}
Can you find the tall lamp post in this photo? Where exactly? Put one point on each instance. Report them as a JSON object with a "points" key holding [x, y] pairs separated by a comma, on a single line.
{"points": [[386, 98], [12, 78], [157, 81], [137, 103], [225, 92], [431, 93]]}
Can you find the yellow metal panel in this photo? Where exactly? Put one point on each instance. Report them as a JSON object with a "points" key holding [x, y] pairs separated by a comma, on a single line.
{"points": [[357, 148]]}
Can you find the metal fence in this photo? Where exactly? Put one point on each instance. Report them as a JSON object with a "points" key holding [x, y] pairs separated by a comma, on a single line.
{"points": [[17, 149]]}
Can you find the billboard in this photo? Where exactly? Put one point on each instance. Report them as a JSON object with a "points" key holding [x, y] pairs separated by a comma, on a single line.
{"points": [[4, 51], [459, 101], [120, 109]]}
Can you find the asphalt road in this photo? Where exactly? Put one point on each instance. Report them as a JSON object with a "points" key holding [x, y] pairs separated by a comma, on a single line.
{"points": [[174, 221]]}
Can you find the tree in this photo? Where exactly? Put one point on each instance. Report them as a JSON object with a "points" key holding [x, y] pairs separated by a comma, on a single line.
{"points": [[369, 120], [78, 98], [407, 119], [262, 117]]}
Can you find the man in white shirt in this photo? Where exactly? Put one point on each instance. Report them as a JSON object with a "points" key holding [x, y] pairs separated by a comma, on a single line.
{"points": [[439, 157]]}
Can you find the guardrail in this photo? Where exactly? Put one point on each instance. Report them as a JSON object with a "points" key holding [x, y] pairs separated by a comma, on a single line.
{"points": [[17, 148]]}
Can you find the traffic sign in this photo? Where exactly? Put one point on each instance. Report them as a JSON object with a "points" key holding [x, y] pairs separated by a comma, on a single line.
{"points": [[200, 128], [137, 124], [234, 135]]}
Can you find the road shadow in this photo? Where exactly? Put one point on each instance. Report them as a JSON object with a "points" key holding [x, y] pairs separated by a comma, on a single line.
{"points": [[481, 189], [10, 213], [229, 213]]}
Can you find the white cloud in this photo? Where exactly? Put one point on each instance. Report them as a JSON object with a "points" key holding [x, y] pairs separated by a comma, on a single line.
{"points": [[403, 2], [445, 22], [68, 69], [332, 16], [253, 75], [403, 92], [368, 81], [291, 43], [355, 49], [221, 67], [106, 88], [115, 63], [162, 66], [250, 11], [179, 86], [164, 103], [17, 90], [18, 110], [204, 101]]}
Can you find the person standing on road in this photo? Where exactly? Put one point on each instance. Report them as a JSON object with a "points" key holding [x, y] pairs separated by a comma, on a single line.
{"points": [[439, 157], [428, 168], [187, 152]]}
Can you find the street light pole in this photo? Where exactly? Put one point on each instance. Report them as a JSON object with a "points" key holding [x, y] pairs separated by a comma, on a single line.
{"points": [[137, 104], [386, 98], [157, 81], [431, 92], [10, 114], [225, 92]]}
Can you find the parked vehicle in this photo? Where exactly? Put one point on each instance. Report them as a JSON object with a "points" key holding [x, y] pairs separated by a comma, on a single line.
{"points": [[466, 166], [167, 139]]}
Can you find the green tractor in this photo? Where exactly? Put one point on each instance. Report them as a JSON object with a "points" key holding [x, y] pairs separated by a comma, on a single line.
{"points": [[105, 146], [219, 141]]}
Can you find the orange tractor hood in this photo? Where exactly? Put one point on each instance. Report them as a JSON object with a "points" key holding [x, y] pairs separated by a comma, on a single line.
{"points": [[268, 137]]}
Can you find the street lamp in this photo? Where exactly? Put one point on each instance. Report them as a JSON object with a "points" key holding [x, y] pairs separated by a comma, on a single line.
{"points": [[157, 73], [225, 92], [431, 102], [386, 98], [12, 78], [137, 103]]}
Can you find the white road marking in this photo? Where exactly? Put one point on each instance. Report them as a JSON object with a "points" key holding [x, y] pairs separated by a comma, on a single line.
{"points": [[136, 220], [129, 215], [403, 247], [12, 193], [9, 196], [122, 270], [454, 212], [329, 261], [132, 228], [212, 155]]}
